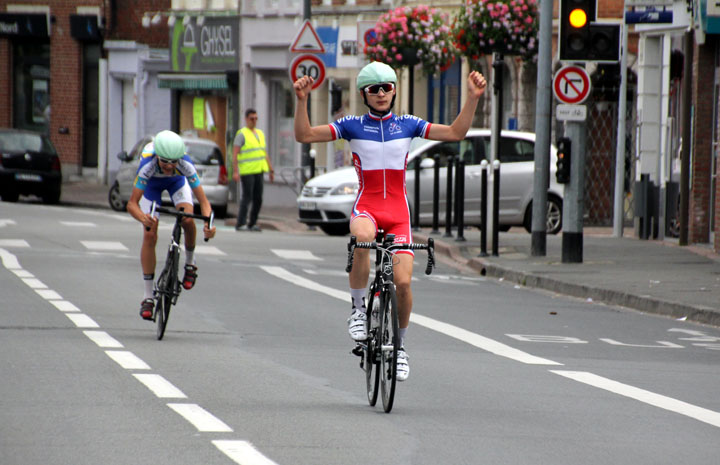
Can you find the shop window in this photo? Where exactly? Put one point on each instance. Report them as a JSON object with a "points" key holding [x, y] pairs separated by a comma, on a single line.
{"points": [[31, 86]]}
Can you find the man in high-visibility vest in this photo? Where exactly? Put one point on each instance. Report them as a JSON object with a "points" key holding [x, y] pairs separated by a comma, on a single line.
{"points": [[252, 161]]}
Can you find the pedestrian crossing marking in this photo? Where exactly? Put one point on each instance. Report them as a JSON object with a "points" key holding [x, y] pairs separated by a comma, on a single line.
{"points": [[13, 243], [291, 254], [208, 250], [103, 245], [79, 224]]}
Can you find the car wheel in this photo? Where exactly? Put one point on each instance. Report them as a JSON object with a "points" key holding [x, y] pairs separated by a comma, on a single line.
{"points": [[220, 211], [335, 229], [52, 197], [554, 216], [116, 202], [10, 196]]}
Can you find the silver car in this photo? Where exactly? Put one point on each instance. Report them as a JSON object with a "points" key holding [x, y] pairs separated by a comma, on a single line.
{"points": [[208, 160], [326, 200]]}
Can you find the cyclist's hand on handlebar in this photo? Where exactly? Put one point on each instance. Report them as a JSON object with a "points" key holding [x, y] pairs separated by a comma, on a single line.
{"points": [[208, 232], [149, 221]]}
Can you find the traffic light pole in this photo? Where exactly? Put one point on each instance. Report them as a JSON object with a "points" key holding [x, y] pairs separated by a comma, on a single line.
{"points": [[572, 237]]}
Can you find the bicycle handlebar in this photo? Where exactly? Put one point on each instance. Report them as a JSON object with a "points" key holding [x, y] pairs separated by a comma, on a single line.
{"points": [[354, 244], [181, 214]]}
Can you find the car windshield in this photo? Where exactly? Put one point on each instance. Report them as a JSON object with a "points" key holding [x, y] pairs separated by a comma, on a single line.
{"points": [[203, 154], [22, 141]]}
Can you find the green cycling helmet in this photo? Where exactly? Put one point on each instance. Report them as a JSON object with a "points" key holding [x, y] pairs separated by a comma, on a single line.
{"points": [[169, 145], [375, 73]]}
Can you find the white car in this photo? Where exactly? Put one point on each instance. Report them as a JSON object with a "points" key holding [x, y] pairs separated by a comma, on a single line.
{"points": [[208, 160], [326, 200]]}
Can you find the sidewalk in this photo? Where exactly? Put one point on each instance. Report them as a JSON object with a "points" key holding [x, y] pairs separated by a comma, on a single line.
{"points": [[650, 276]]}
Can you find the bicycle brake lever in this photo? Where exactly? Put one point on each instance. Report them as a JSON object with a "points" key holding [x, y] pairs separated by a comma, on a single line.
{"points": [[351, 253], [431, 256], [210, 223], [152, 213]]}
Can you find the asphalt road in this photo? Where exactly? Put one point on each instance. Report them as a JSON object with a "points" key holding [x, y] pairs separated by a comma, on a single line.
{"points": [[255, 367]]}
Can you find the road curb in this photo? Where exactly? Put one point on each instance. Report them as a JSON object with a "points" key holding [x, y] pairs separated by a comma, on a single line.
{"points": [[705, 315]]}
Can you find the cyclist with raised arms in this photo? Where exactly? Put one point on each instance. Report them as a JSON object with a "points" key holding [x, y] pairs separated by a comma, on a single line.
{"points": [[380, 141], [165, 166]]}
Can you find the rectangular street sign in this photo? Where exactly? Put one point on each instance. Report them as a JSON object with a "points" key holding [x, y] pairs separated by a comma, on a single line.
{"points": [[571, 112]]}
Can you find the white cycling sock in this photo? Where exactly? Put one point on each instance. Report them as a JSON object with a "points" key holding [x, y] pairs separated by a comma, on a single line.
{"points": [[402, 332], [358, 297], [148, 282], [189, 257]]}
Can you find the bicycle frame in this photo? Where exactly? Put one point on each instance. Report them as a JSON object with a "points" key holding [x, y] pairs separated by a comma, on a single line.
{"points": [[167, 287], [379, 351]]}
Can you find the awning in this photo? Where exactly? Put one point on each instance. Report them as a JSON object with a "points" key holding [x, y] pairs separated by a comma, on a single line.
{"points": [[194, 81]]}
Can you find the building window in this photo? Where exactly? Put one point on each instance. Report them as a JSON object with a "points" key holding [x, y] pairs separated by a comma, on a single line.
{"points": [[31, 85]]}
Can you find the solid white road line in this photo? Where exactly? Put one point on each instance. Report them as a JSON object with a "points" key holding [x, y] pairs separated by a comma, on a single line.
{"points": [[48, 294], [64, 306], [242, 452], [103, 339], [282, 273], [291, 254], [481, 342], [160, 386], [78, 224], [200, 418], [9, 260], [476, 340], [81, 320], [127, 360], [103, 245], [14, 243], [668, 403]]}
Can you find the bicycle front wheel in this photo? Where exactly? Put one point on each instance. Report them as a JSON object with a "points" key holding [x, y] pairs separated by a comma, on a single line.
{"points": [[389, 346], [372, 368]]}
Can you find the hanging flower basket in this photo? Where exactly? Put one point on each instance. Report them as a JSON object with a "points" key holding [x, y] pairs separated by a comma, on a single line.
{"points": [[509, 27], [408, 36]]}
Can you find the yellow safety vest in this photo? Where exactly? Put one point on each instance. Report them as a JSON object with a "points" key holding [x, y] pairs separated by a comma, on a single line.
{"points": [[252, 158]]}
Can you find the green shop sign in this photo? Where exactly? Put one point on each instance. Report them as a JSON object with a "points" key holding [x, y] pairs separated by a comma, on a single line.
{"points": [[209, 46]]}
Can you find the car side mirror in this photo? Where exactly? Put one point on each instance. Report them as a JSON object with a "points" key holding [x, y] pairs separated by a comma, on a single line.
{"points": [[427, 163], [123, 156]]}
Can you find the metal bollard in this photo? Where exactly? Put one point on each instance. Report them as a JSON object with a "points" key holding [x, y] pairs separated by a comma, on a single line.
{"points": [[416, 209], [483, 208], [436, 195], [496, 207], [460, 200], [448, 198]]}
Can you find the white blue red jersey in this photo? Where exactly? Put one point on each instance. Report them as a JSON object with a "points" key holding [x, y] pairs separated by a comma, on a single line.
{"points": [[379, 149]]}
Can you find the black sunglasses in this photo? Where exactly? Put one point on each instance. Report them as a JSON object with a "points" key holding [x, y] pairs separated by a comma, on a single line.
{"points": [[169, 162], [374, 89]]}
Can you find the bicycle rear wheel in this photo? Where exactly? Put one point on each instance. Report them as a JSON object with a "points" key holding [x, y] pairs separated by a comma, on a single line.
{"points": [[370, 364], [389, 345]]}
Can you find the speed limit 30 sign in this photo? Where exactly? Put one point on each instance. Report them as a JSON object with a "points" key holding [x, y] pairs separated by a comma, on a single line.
{"points": [[308, 65]]}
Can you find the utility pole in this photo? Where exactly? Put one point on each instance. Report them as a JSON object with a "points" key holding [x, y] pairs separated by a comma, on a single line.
{"points": [[538, 247], [686, 104], [619, 194], [306, 159]]}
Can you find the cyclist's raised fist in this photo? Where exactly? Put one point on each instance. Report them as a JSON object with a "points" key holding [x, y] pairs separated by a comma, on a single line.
{"points": [[476, 84], [303, 86]]}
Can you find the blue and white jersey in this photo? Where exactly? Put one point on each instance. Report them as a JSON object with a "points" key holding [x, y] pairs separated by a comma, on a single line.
{"points": [[149, 169]]}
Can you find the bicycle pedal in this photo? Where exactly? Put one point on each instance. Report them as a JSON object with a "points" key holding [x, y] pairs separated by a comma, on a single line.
{"points": [[358, 350]]}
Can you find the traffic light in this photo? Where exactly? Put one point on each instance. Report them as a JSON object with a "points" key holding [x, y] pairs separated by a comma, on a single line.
{"points": [[562, 174], [581, 38]]}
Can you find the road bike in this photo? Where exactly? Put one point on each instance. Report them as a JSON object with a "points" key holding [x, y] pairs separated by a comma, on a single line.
{"points": [[378, 353], [168, 286]]}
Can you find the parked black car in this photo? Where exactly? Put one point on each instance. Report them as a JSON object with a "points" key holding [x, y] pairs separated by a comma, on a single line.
{"points": [[29, 165]]}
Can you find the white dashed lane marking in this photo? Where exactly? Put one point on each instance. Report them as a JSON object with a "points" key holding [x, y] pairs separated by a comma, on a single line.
{"points": [[78, 224], [127, 360], [82, 321], [200, 418], [64, 306], [103, 245], [242, 452], [291, 254], [13, 243], [160, 386], [103, 339]]}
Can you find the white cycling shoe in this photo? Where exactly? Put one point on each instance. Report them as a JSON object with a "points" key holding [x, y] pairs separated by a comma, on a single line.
{"points": [[357, 324], [403, 367]]}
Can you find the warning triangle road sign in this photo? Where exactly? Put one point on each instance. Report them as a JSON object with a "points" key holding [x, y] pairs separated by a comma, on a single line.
{"points": [[307, 40]]}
